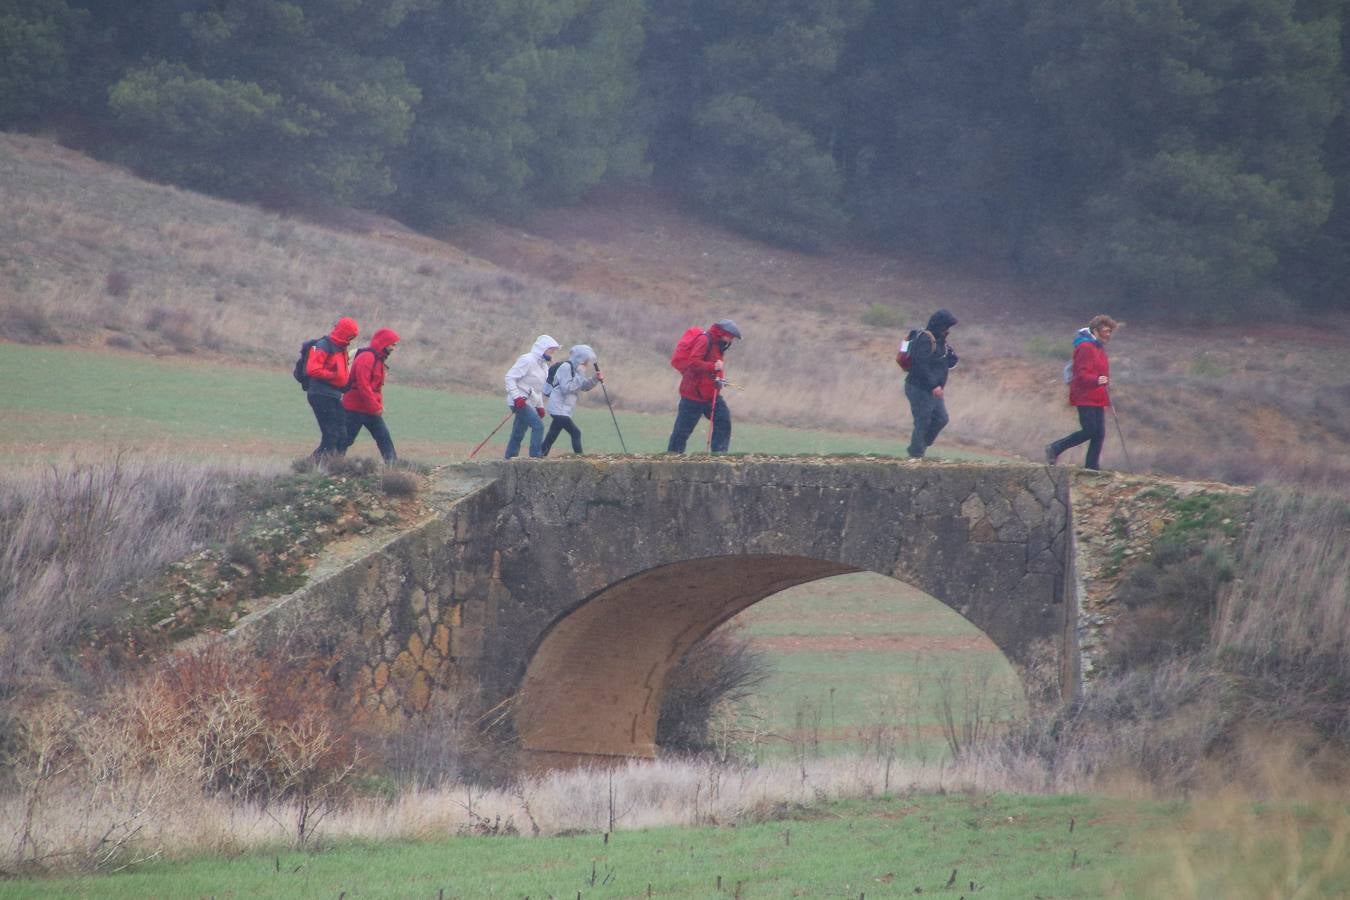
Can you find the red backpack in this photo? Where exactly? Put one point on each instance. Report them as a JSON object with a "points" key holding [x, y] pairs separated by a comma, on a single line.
{"points": [[684, 349], [902, 356]]}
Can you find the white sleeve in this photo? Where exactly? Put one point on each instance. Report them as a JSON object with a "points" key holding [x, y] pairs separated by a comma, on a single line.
{"points": [[513, 376]]}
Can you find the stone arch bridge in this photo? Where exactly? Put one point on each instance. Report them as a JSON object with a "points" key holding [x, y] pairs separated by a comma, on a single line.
{"points": [[564, 590]]}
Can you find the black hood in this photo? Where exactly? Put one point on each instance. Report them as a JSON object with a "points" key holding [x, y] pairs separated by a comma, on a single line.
{"points": [[941, 321]]}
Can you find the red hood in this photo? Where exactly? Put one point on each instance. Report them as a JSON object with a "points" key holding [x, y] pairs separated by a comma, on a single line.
{"points": [[719, 335], [382, 338], [344, 331]]}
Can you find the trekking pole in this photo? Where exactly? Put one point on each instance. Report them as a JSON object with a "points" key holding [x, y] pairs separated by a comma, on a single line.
{"points": [[494, 431], [712, 411], [1120, 434], [611, 410]]}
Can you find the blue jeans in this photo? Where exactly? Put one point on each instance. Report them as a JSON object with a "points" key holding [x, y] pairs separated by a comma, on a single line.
{"points": [[378, 430], [687, 417], [332, 419], [930, 417], [526, 417]]}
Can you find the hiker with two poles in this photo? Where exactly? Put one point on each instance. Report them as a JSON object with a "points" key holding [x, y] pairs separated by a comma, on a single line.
{"points": [[566, 380], [698, 359]]}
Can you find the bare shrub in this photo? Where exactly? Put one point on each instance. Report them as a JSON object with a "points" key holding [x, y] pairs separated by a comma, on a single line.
{"points": [[122, 342], [1284, 630], [348, 465], [1171, 600], [398, 483], [965, 705], [117, 283], [178, 327], [29, 323], [721, 668], [72, 536], [1157, 724]]}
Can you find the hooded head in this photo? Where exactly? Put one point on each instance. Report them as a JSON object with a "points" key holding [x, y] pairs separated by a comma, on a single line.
{"points": [[344, 332], [580, 355], [941, 322], [724, 332], [544, 346], [382, 340]]}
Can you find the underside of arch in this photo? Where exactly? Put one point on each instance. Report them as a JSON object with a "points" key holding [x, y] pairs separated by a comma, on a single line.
{"points": [[592, 688]]}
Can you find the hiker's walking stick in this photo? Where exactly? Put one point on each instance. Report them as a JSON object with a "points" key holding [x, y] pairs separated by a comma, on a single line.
{"points": [[494, 431], [1120, 434], [712, 411], [611, 410]]}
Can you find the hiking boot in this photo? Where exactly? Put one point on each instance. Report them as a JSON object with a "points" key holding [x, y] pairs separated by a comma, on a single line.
{"points": [[1050, 455]]}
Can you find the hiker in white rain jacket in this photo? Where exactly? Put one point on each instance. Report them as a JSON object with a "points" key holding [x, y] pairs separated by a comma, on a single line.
{"points": [[569, 379], [525, 395]]}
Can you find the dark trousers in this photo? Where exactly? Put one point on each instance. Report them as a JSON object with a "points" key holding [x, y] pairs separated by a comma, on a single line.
{"points": [[930, 417], [332, 419], [687, 416], [526, 417], [378, 430], [1092, 430], [558, 425]]}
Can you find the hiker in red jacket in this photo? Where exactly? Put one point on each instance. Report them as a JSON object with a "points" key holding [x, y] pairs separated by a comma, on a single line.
{"points": [[364, 400], [1089, 390], [700, 388], [327, 370]]}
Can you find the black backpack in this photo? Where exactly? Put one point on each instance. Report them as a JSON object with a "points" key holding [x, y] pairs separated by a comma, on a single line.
{"points": [[551, 381], [302, 362]]}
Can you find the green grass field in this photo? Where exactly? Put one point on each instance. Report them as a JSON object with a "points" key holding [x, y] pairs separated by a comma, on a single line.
{"points": [[999, 847], [855, 653], [59, 399], [986, 847]]}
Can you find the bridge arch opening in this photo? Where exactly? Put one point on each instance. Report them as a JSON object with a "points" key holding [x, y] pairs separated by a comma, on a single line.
{"points": [[593, 683]]}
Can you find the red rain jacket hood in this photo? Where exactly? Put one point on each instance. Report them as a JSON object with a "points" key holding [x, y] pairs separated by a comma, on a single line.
{"points": [[343, 332]]}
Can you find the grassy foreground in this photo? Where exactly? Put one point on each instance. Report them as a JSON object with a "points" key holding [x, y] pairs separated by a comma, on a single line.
{"points": [[986, 847], [59, 399], [995, 847]]}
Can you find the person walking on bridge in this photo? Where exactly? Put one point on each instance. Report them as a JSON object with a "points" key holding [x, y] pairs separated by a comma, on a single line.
{"points": [[525, 395], [568, 379], [1089, 391], [931, 357], [698, 358], [327, 371], [364, 400]]}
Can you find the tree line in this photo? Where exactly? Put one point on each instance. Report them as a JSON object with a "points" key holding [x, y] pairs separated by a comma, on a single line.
{"points": [[1190, 151]]}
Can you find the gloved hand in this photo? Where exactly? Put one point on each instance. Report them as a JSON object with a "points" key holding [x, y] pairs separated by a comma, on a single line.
{"points": [[540, 410], [951, 358], [519, 403]]}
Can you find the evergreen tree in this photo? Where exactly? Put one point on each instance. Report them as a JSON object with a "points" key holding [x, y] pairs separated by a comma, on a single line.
{"points": [[744, 105], [524, 103], [260, 98], [40, 41]]}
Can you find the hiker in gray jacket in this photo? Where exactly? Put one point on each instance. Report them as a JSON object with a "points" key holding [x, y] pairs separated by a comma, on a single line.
{"points": [[569, 379]]}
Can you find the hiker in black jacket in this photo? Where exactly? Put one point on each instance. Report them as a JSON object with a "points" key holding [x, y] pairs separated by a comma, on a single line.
{"points": [[927, 377]]}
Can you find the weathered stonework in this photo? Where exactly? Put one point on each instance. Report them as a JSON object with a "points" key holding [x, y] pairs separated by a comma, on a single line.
{"points": [[570, 587]]}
